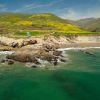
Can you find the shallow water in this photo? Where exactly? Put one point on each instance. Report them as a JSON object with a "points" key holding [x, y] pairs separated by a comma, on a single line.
{"points": [[77, 80]]}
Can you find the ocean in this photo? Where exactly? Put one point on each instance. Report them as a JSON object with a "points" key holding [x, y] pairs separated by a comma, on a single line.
{"points": [[77, 79]]}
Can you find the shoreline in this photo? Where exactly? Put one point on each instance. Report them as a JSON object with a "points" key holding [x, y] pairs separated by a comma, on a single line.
{"points": [[36, 60], [73, 41], [47, 48], [60, 49], [77, 48]]}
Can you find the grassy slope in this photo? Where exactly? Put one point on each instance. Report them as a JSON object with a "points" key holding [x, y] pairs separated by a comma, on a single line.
{"points": [[35, 23], [89, 24]]}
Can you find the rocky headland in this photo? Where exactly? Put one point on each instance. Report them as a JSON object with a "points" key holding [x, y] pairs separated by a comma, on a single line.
{"points": [[43, 48]]}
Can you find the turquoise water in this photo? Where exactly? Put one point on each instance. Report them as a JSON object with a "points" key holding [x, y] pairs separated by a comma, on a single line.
{"points": [[77, 80]]}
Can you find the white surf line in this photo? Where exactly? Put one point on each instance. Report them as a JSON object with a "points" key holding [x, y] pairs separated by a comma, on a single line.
{"points": [[77, 48], [6, 52]]}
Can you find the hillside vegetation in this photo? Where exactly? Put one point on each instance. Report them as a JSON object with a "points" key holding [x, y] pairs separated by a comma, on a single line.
{"points": [[89, 24], [16, 23]]}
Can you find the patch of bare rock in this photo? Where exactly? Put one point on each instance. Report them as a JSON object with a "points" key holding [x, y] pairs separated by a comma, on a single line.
{"points": [[45, 53]]}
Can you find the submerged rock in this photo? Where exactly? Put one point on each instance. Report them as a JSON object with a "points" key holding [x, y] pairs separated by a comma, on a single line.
{"points": [[2, 60], [10, 62], [89, 53], [63, 60], [34, 66]]}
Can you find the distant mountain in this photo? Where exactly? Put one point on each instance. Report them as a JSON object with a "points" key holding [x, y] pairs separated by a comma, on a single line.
{"points": [[89, 24], [40, 22]]}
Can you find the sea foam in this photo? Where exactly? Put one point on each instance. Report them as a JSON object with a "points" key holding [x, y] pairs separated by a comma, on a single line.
{"points": [[6, 52], [77, 48]]}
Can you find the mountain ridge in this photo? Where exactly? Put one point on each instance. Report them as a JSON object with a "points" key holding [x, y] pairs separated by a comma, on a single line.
{"points": [[89, 24]]}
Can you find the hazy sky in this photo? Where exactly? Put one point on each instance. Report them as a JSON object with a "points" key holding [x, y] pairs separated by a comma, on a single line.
{"points": [[69, 9]]}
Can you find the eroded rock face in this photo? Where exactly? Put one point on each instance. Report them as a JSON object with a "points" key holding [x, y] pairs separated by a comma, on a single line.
{"points": [[28, 42], [14, 44], [23, 43]]}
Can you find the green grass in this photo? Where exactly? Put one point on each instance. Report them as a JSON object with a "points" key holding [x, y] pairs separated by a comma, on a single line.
{"points": [[32, 33], [36, 23], [56, 33]]}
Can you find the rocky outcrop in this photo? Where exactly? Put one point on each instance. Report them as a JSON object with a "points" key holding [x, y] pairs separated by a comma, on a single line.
{"points": [[16, 43], [27, 57], [35, 49], [47, 53], [23, 43], [28, 42]]}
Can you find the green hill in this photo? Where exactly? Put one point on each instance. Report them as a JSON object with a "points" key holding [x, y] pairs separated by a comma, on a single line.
{"points": [[16, 23], [89, 24]]}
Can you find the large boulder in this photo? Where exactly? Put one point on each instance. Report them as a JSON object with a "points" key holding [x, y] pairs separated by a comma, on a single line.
{"points": [[23, 56]]}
